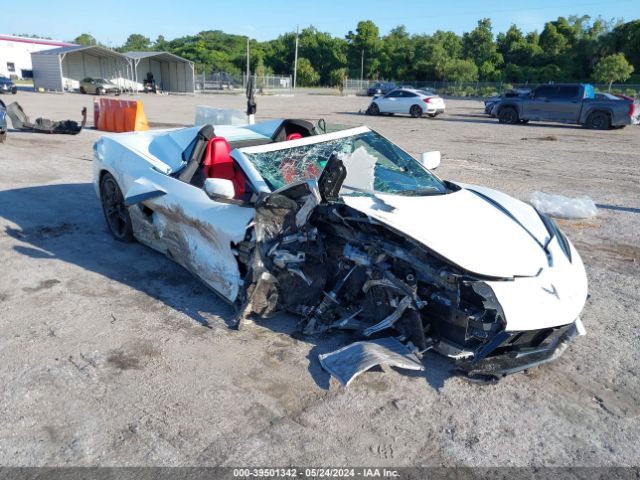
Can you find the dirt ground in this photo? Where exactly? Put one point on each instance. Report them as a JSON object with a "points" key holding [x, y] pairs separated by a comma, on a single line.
{"points": [[110, 354]]}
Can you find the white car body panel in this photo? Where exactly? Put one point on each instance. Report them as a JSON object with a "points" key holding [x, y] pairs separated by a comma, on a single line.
{"points": [[461, 227], [188, 226], [554, 297]]}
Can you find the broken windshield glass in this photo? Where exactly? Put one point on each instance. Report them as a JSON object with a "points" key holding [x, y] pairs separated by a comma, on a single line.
{"points": [[373, 163]]}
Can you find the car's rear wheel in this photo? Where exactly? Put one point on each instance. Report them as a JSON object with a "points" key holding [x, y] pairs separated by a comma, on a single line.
{"points": [[598, 121], [115, 210], [433, 115], [99, 91], [373, 109], [415, 111], [3, 137], [508, 115]]}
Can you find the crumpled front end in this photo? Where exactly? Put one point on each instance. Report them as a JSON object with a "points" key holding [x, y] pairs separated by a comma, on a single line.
{"points": [[340, 269]]}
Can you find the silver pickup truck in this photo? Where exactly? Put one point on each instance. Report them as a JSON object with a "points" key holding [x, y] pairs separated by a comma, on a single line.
{"points": [[568, 103]]}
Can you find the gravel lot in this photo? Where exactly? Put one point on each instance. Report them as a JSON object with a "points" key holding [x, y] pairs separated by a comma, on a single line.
{"points": [[106, 359]]}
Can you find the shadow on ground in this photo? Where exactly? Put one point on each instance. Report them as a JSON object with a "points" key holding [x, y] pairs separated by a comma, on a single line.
{"points": [[65, 222]]}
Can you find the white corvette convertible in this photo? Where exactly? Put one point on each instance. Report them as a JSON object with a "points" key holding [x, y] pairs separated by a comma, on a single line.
{"points": [[350, 232]]}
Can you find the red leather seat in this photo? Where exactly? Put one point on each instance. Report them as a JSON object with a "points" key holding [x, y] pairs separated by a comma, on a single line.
{"points": [[294, 136], [219, 164]]}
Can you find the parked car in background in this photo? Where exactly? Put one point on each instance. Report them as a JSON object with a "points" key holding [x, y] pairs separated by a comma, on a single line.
{"points": [[380, 88], [408, 101], [3, 122], [568, 103], [7, 85], [98, 86], [490, 102]]}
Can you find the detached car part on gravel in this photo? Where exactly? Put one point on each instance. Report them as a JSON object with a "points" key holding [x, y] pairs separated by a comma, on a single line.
{"points": [[21, 122], [349, 232], [3, 122]]}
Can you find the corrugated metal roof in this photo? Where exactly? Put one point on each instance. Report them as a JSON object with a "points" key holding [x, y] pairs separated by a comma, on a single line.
{"points": [[96, 50], [165, 56]]}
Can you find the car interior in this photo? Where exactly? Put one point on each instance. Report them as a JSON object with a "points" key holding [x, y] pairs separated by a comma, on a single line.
{"points": [[209, 156]]}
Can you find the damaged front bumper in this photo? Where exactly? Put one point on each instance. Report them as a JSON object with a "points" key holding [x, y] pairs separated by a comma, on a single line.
{"points": [[512, 352]]}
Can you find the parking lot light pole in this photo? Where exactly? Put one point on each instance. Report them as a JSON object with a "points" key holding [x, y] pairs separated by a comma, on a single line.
{"points": [[362, 68], [295, 62]]}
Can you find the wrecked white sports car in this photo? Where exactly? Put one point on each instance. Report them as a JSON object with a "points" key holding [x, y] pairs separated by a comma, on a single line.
{"points": [[350, 232]]}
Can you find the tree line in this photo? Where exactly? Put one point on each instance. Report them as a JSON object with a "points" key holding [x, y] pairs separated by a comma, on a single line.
{"points": [[575, 48]]}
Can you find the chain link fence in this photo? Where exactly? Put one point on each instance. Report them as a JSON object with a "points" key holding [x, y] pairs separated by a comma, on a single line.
{"points": [[222, 81]]}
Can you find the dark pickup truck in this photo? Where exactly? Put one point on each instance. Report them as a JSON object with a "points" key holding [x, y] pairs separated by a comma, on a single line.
{"points": [[567, 103]]}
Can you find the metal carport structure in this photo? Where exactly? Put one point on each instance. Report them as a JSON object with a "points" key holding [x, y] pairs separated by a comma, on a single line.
{"points": [[61, 69], [171, 73]]}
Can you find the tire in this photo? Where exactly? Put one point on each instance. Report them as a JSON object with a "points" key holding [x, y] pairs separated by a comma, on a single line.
{"points": [[14, 90], [99, 91], [373, 109], [432, 115], [82, 90], [598, 121], [3, 137], [508, 115], [415, 111], [114, 209]]}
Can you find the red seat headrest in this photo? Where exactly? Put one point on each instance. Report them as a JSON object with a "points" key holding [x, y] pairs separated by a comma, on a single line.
{"points": [[294, 136], [219, 164]]}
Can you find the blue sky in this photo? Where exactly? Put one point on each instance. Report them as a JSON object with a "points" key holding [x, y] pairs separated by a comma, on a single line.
{"points": [[112, 21]]}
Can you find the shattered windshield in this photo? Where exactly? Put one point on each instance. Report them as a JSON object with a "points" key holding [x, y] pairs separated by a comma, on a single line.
{"points": [[374, 165]]}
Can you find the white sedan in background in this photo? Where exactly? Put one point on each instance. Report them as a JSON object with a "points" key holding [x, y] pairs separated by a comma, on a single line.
{"points": [[408, 101]]}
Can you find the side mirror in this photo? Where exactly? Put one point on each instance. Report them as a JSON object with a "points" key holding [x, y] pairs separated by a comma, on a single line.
{"points": [[219, 188], [430, 160]]}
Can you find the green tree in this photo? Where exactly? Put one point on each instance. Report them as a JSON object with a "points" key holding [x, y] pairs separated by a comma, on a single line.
{"points": [[478, 45], [323, 51], [160, 45], [307, 75], [85, 39], [613, 68], [136, 42], [364, 47], [460, 71]]}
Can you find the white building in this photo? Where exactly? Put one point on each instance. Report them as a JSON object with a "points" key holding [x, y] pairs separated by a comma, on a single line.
{"points": [[15, 54]]}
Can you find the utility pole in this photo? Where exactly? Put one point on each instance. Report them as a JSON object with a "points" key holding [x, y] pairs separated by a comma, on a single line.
{"points": [[362, 69], [248, 71], [295, 62]]}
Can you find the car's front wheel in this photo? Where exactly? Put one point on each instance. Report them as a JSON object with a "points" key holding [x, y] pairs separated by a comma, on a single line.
{"points": [[115, 210], [415, 111], [373, 109], [508, 115], [82, 90]]}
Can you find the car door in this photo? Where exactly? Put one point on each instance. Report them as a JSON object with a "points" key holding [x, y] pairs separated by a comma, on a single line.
{"points": [[567, 104], [390, 102], [196, 231], [407, 100], [540, 106]]}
